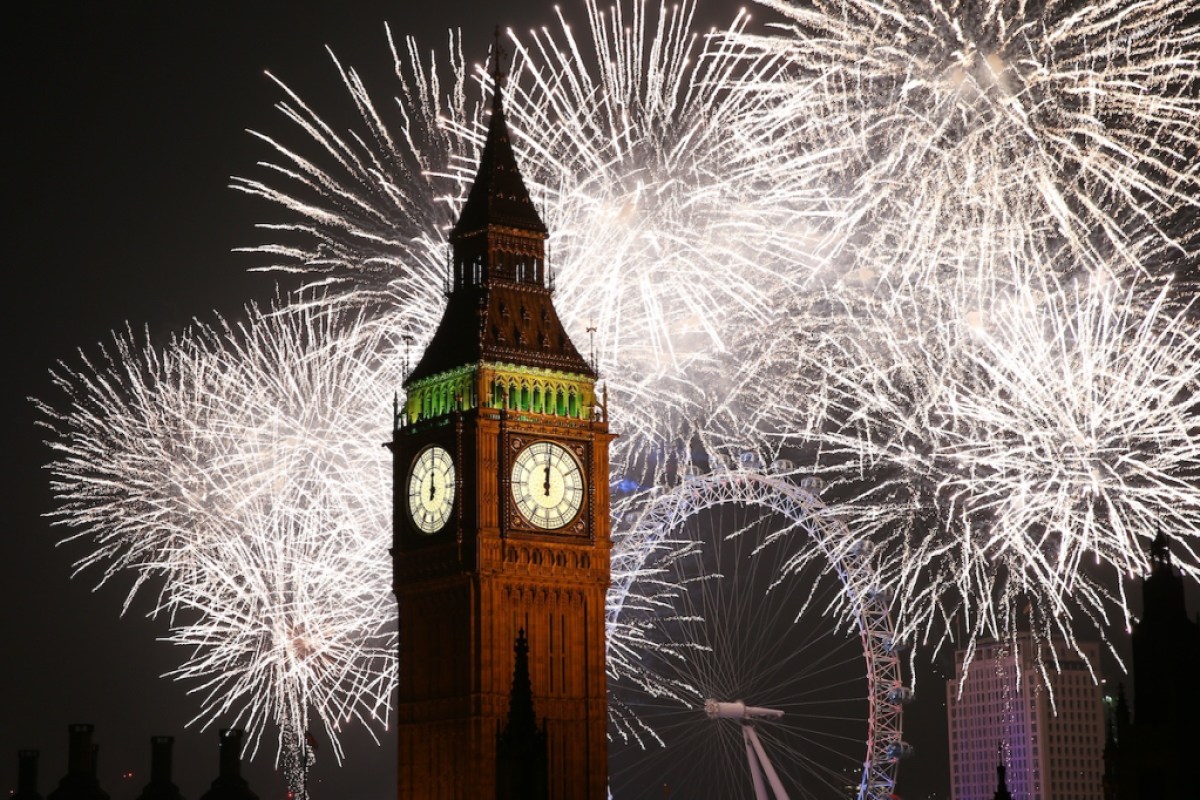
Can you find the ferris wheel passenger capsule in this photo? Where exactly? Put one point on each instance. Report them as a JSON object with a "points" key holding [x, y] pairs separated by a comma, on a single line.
{"points": [[898, 750], [862, 547], [812, 484], [879, 593], [750, 460]]}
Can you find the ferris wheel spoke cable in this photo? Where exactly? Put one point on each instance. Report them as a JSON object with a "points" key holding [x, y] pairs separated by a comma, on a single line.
{"points": [[718, 627], [813, 768]]}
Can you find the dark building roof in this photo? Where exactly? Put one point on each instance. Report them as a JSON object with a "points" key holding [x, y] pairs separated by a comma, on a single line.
{"points": [[498, 196], [160, 786], [501, 322], [1149, 756], [27, 761], [500, 307]]}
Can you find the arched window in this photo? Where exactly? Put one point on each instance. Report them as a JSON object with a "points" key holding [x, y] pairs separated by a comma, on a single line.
{"points": [[537, 398], [524, 396]]}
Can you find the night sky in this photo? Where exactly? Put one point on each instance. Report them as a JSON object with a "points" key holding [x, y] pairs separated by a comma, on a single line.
{"points": [[129, 121]]}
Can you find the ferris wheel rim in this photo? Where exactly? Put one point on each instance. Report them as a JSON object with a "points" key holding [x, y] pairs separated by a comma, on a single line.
{"points": [[851, 561]]}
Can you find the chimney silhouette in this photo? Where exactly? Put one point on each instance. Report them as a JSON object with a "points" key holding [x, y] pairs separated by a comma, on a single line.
{"points": [[27, 776], [160, 786], [81, 753], [230, 785], [80, 781], [231, 753]]}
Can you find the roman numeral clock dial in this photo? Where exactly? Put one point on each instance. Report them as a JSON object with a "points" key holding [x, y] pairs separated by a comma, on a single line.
{"points": [[431, 489], [547, 485]]}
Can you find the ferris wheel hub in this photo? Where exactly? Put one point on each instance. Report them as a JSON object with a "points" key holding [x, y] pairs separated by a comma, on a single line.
{"points": [[715, 709]]}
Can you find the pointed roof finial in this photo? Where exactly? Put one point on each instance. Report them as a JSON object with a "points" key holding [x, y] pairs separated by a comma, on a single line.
{"points": [[499, 195], [522, 721], [498, 73], [1160, 549], [1002, 792], [521, 759]]}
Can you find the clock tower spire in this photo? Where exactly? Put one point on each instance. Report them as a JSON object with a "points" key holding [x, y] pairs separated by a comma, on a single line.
{"points": [[501, 511]]}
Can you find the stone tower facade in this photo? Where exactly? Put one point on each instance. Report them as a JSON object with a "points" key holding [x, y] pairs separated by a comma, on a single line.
{"points": [[501, 512]]}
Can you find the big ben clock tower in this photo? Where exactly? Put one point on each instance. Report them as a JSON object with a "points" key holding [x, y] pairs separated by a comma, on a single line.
{"points": [[501, 514]]}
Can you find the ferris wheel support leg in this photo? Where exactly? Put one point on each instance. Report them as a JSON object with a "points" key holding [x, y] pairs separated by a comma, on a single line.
{"points": [[772, 778], [760, 788]]}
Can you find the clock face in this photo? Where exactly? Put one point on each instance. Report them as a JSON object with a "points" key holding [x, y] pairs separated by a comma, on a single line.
{"points": [[547, 485], [431, 489]]}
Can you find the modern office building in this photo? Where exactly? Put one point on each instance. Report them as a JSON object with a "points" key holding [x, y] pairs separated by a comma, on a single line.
{"points": [[1047, 724]]}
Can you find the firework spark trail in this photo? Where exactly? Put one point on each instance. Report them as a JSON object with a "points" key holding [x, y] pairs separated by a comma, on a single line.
{"points": [[187, 462], [996, 441], [238, 468], [370, 224], [962, 132], [275, 629], [645, 187], [893, 177], [665, 236], [658, 238]]}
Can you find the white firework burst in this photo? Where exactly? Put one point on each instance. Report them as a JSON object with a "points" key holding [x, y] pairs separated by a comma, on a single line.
{"points": [[959, 132], [371, 206], [800, 242], [668, 242], [997, 442], [238, 469]]}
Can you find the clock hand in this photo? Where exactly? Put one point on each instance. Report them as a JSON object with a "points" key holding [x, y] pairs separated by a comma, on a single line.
{"points": [[546, 485], [432, 489]]}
